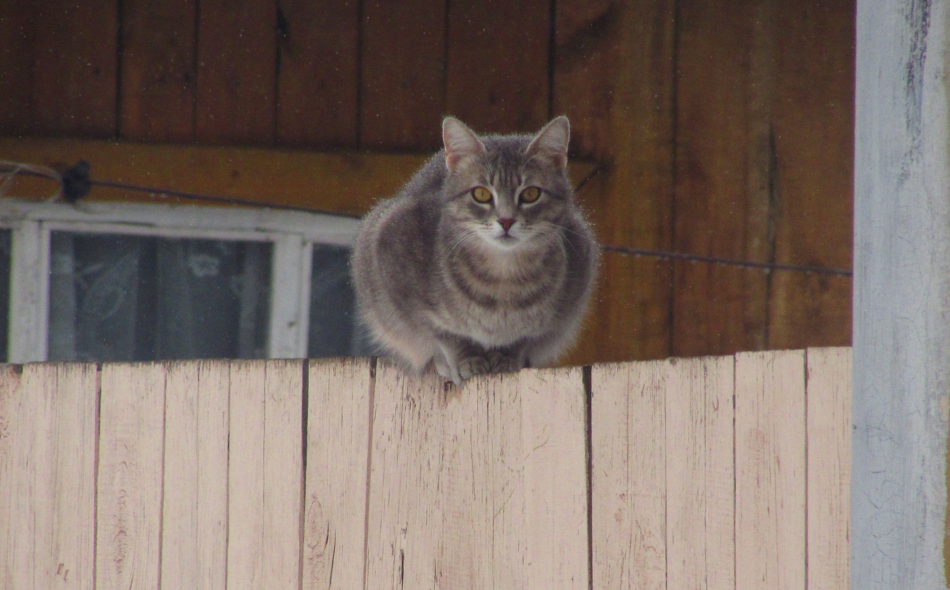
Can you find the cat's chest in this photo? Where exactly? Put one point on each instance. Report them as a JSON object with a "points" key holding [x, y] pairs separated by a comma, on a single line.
{"points": [[499, 306]]}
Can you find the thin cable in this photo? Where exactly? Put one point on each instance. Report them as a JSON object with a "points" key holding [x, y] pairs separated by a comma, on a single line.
{"points": [[14, 168]]}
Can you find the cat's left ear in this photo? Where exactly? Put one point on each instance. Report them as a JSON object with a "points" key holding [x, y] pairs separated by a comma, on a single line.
{"points": [[551, 142], [460, 142]]}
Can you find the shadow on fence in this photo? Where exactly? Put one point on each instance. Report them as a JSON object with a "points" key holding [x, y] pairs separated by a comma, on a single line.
{"points": [[727, 472]]}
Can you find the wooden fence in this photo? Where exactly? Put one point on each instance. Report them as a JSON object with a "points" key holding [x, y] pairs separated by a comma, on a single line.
{"points": [[714, 473]]}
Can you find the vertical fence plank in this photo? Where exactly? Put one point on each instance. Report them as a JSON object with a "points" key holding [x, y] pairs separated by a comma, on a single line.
{"points": [[404, 509], [828, 399], [555, 467], [318, 79], [628, 479], [283, 473], [338, 430], [47, 476], [11, 479], [265, 474], [402, 75], [131, 433], [700, 474], [194, 526], [770, 470], [497, 71], [719, 380], [246, 477]]}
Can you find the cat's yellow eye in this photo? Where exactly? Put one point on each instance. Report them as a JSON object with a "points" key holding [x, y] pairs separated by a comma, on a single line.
{"points": [[481, 194], [530, 194]]}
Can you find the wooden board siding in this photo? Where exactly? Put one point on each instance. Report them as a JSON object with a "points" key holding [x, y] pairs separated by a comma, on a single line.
{"points": [[718, 128], [402, 75], [722, 175], [625, 122], [814, 152], [237, 57], [158, 81], [318, 74], [497, 74], [675, 474]]}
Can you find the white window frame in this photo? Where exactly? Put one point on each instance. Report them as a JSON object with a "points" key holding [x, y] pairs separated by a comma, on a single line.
{"points": [[292, 234]]}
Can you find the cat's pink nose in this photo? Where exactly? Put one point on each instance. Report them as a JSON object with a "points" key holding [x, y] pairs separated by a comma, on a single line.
{"points": [[506, 223]]}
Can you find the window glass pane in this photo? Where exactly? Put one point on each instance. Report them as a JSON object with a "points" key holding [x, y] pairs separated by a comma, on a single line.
{"points": [[5, 235], [333, 326], [134, 298]]}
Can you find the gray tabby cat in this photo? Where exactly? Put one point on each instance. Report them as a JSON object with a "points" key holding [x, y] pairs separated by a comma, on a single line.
{"points": [[482, 263]]}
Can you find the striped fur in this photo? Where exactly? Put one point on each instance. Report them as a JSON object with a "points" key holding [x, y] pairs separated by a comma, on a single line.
{"points": [[442, 284]]}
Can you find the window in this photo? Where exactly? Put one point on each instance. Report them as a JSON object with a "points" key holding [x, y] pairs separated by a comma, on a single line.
{"points": [[103, 282]]}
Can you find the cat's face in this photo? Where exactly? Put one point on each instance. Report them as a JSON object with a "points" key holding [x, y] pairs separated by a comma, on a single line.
{"points": [[507, 192]]}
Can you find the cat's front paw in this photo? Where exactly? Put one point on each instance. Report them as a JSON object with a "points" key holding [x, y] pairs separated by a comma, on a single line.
{"points": [[472, 366], [501, 362]]}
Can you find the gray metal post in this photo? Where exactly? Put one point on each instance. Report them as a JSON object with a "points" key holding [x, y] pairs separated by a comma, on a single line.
{"points": [[901, 295]]}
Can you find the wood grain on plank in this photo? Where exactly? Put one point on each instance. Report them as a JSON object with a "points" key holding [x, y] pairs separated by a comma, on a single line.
{"points": [[158, 70], [628, 475], [813, 118], [318, 78], [283, 473], [265, 476], [339, 411], [237, 57], [402, 75], [195, 518], [724, 161], [129, 501], [404, 508], [828, 399], [478, 487], [555, 483], [75, 67], [498, 59], [245, 561], [700, 534], [338, 183], [770, 470], [12, 434], [625, 121], [17, 46], [48, 469]]}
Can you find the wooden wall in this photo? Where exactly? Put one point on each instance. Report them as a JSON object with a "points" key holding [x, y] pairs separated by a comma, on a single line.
{"points": [[723, 127]]}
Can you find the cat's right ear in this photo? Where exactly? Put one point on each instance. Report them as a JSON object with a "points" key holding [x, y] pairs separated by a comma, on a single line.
{"points": [[460, 142]]}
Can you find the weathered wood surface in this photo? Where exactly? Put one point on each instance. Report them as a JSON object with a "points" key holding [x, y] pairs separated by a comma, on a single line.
{"points": [[343, 473], [901, 296]]}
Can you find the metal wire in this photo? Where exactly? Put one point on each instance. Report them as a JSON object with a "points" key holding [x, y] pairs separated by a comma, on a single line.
{"points": [[11, 169]]}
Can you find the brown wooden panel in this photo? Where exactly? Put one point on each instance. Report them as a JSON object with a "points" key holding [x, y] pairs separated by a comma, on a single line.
{"points": [[237, 69], [723, 174], [318, 77], [403, 74], [813, 114], [498, 64], [74, 76], [340, 183], [158, 70], [614, 77], [16, 65]]}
